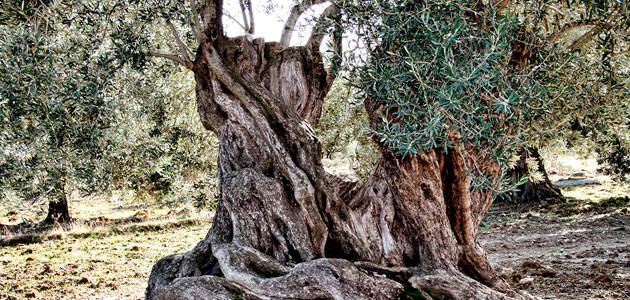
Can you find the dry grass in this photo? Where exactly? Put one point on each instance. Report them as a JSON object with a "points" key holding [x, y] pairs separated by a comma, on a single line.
{"points": [[91, 264], [107, 254]]}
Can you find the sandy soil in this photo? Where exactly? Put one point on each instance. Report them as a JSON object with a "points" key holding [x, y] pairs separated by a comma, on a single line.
{"points": [[569, 250]]}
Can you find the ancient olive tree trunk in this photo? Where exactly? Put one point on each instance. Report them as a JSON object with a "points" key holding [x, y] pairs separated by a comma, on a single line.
{"points": [[285, 228], [534, 191]]}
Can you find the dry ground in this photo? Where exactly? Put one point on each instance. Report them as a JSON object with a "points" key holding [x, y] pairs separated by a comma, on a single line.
{"points": [[104, 258], [578, 249]]}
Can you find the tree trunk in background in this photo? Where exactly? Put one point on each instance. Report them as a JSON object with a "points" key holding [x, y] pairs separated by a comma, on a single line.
{"points": [[534, 192], [285, 228], [58, 206], [525, 53]]}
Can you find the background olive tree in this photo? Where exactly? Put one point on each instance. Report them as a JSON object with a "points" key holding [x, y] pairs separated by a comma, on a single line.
{"points": [[160, 151], [79, 117], [54, 108]]}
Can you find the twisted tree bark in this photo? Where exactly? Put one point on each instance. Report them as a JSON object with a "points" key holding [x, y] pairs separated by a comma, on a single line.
{"points": [[285, 228]]}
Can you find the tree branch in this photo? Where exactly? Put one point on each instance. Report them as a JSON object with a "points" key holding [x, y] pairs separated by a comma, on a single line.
{"points": [[500, 4], [248, 4], [235, 21], [621, 53], [182, 47], [566, 28], [319, 30], [295, 14], [186, 63], [211, 13], [587, 37], [244, 14], [196, 28]]}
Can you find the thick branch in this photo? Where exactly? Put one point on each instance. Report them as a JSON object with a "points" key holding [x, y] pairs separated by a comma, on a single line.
{"points": [[196, 28], [317, 36], [175, 58], [295, 14], [566, 28], [211, 13], [319, 30]]}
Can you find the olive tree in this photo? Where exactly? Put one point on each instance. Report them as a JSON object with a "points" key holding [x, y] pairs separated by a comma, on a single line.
{"points": [[447, 87], [586, 42], [284, 227], [53, 111]]}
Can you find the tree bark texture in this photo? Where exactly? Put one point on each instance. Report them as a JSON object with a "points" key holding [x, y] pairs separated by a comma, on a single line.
{"points": [[287, 229], [58, 211], [534, 191]]}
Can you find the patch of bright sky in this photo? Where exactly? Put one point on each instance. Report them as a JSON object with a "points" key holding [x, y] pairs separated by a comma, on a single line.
{"points": [[269, 19]]}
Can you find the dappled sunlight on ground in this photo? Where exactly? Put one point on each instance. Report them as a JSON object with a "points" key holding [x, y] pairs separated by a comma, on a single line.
{"points": [[579, 249], [106, 253]]}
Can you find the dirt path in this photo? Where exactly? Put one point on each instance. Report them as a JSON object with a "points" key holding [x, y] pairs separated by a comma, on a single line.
{"points": [[563, 251]]}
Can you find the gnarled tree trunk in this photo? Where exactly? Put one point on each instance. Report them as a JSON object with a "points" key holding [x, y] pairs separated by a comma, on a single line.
{"points": [[534, 191], [285, 228]]}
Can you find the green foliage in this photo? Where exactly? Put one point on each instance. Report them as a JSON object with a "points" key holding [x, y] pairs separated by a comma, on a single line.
{"points": [[440, 68], [453, 77], [617, 161], [588, 80], [161, 150], [81, 104], [52, 113], [593, 111], [21, 11], [134, 29]]}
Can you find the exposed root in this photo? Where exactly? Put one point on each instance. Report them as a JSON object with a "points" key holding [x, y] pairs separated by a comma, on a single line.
{"points": [[457, 286], [322, 278], [246, 273], [202, 287], [250, 274], [400, 274], [166, 271]]}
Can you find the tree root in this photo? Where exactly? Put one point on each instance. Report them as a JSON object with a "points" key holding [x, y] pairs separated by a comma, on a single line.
{"points": [[250, 274], [245, 273], [455, 285], [202, 287]]}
